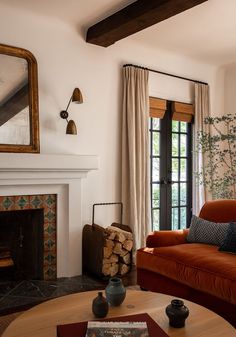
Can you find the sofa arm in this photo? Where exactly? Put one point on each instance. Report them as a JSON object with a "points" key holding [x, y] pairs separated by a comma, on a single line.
{"points": [[166, 238]]}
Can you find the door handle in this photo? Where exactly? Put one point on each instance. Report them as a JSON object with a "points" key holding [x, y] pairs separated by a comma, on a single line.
{"points": [[165, 181]]}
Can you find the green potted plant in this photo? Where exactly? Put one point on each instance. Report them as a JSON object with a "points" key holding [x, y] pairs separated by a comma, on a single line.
{"points": [[219, 154]]}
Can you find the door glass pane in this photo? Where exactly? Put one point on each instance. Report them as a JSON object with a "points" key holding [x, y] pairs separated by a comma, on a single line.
{"points": [[175, 144], [155, 169], [183, 194], [156, 144], [183, 127], [175, 126], [183, 169], [175, 169], [183, 145], [183, 217], [175, 195], [175, 218], [156, 124], [155, 195], [156, 219]]}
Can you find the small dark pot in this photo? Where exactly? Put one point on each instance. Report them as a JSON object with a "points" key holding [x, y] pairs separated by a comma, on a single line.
{"points": [[115, 291], [177, 313], [100, 306]]}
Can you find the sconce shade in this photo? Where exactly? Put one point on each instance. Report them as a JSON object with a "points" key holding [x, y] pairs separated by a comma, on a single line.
{"points": [[77, 96], [71, 128]]}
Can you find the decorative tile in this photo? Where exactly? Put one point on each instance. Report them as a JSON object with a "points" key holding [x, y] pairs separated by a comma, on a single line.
{"points": [[49, 229], [49, 244], [36, 201], [50, 216], [49, 258], [49, 203], [50, 273], [22, 202], [7, 203], [50, 200]]}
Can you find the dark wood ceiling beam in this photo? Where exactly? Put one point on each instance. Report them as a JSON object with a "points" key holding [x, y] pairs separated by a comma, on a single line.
{"points": [[134, 18], [14, 105]]}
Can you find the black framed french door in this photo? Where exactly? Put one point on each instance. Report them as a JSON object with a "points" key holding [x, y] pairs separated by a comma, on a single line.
{"points": [[171, 172]]}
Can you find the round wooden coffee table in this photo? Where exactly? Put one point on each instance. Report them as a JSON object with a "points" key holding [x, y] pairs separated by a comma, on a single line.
{"points": [[41, 320]]}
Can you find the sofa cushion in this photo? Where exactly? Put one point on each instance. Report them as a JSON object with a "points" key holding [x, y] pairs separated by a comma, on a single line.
{"points": [[229, 244], [199, 266], [204, 231]]}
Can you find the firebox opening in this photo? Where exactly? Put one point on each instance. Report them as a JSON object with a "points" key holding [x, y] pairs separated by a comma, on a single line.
{"points": [[21, 244]]}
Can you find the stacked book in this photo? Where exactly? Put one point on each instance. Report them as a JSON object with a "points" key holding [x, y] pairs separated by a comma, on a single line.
{"points": [[140, 325]]}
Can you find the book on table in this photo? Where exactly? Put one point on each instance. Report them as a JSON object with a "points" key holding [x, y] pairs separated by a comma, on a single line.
{"points": [[81, 328], [117, 329]]}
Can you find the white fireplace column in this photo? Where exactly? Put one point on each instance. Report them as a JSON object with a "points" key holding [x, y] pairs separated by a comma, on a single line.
{"points": [[31, 174]]}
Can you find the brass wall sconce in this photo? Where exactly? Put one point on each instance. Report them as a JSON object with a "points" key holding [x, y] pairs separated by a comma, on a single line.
{"points": [[76, 98]]}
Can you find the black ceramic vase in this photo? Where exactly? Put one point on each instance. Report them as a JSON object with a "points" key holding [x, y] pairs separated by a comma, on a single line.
{"points": [[100, 306], [115, 291], [177, 313]]}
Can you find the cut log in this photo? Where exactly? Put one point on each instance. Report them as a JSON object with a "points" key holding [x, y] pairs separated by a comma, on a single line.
{"points": [[111, 235], [123, 268], [111, 229], [114, 258], [106, 269], [126, 258], [123, 252], [7, 262], [118, 248], [107, 251], [109, 243], [120, 237], [128, 245], [114, 269]]}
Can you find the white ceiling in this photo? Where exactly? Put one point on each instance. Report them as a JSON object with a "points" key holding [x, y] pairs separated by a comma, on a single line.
{"points": [[206, 32]]}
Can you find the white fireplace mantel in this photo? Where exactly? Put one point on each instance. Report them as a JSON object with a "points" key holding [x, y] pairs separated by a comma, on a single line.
{"points": [[37, 166], [30, 174]]}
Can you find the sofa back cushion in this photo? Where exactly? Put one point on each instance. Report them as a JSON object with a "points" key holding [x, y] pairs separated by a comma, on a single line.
{"points": [[203, 231], [219, 211]]}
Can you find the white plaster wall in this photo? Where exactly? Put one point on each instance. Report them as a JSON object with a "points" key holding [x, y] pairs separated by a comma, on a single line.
{"points": [[65, 61]]}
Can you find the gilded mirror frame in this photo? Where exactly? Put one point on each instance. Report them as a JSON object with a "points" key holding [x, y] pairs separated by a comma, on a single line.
{"points": [[33, 146]]}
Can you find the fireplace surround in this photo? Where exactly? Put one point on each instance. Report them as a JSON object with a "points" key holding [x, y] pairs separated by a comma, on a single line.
{"points": [[59, 175], [13, 205]]}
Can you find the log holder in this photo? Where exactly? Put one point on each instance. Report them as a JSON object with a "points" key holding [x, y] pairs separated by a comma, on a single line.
{"points": [[93, 241]]}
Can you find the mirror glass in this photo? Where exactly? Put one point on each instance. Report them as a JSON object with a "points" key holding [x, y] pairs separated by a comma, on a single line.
{"points": [[18, 101], [14, 101]]}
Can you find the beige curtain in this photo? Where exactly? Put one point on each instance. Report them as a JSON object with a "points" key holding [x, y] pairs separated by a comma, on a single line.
{"points": [[135, 182], [202, 110]]}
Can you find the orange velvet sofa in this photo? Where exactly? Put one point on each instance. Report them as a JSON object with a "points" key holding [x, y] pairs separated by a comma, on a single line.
{"points": [[194, 271]]}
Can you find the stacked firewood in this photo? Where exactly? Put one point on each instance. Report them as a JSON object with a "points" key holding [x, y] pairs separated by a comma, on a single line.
{"points": [[5, 257], [117, 251]]}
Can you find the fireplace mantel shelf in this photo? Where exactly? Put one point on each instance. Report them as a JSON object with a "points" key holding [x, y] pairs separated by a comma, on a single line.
{"points": [[11, 162]]}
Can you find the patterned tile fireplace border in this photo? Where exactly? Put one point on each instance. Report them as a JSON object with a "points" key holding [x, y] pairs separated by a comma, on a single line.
{"points": [[48, 202]]}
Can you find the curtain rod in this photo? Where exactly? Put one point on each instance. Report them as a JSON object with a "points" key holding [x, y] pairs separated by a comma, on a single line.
{"points": [[167, 74]]}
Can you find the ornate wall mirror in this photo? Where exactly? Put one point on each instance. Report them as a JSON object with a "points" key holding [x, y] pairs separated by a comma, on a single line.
{"points": [[19, 115]]}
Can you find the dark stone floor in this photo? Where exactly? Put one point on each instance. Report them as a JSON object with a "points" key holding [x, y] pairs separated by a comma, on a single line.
{"points": [[21, 295]]}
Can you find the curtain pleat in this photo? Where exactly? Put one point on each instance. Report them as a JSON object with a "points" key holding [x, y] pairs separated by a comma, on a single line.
{"points": [[135, 180], [202, 111]]}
